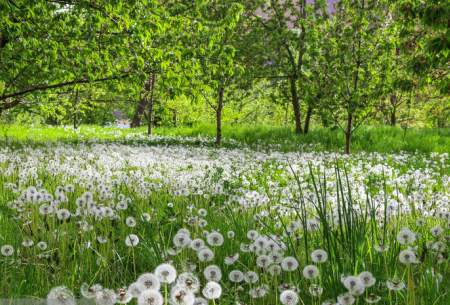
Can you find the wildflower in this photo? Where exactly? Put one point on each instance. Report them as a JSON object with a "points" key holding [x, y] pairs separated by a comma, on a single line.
{"points": [[60, 296], [150, 297], [135, 289], [181, 296], [381, 248], [89, 292], [27, 243], [7, 250], [149, 281], [395, 285], [274, 270], [63, 214], [236, 276], [130, 222], [202, 223], [367, 279], [252, 234], [229, 260], [289, 297], [438, 246], [212, 291], [315, 290], [212, 273], [166, 273], [181, 240], [407, 257], [345, 299], [406, 236], [230, 234], [123, 296], [122, 206], [105, 297], [132, 240], [353, 284], [244, 248], [46, 209], [205, 255], [319, 256], [146, 217], [310, 272], [103, 240], [251, 277], [197, 244], [436, 231], [289, 264], [215, 239], [258, 292], [420, 222], [188, 281], [263, 261], [202, 212], [372, 298]]}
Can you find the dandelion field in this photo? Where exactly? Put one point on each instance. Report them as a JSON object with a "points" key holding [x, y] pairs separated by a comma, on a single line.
{"points": [[117, 223]]}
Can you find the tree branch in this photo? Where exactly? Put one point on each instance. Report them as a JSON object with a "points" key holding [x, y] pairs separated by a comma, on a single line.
{"points": [[54, 86]]}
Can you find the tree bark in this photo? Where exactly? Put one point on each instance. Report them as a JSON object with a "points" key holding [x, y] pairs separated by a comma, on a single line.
{"points": [[219, 116], [348, 133], [75, 110], [296, 105], [174, 117], [393, 118], [151, 88], [143, 103], [136, 121], [307, 119]]}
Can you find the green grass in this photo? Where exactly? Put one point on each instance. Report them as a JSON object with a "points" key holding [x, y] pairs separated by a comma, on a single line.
{"points": [[383, 139], [368, 138]]}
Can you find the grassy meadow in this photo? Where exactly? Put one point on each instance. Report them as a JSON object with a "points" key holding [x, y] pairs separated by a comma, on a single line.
{"points": [[383, 139], [110, 216]]}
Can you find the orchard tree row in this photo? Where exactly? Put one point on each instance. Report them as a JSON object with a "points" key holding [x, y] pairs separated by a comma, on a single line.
{"points": [[336, 63]]}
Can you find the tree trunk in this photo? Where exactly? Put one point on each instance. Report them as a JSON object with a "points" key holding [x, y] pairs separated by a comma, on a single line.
{"points": [[150, 117], [219, 115], [296, 105], [136, 121], [307, 119], [75, 110], [174, 117], [348, 133], [393, 119], [150, 88], [142, 105]]}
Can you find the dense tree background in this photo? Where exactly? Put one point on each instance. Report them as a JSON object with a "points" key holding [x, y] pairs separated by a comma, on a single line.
{"points": [[335, 64]]}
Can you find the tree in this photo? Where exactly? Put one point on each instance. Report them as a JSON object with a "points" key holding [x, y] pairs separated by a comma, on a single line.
{"points": [[217, 54], [425, 33], [357, 43], [283, 31], [46, 45]]}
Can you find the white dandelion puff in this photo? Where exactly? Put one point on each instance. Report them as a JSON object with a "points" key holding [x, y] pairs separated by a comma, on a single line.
{"points": [[212, 290]]}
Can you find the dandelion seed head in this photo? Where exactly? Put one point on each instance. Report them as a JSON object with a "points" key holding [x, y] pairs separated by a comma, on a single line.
{"points": [[212, 290], [289, 297], [60, 296]]}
